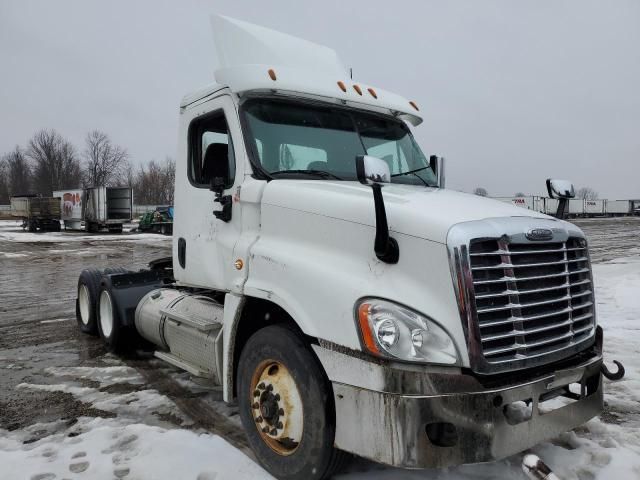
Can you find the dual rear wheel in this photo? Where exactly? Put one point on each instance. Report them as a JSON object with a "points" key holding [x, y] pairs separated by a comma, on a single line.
{"points": [[96, 312]]}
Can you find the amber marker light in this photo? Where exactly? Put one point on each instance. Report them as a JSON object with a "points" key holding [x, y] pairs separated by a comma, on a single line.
{"points": [[239, 264], [357, 89], [342, 86], [372, 92], [365, 328], [413, 104], [272, 74]]}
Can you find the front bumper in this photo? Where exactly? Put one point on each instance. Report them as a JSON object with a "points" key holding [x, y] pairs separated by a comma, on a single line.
{"points": [[464, 427]]}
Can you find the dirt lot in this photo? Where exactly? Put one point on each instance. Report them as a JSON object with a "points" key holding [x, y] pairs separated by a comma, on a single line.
{"points": [[40, 344]]}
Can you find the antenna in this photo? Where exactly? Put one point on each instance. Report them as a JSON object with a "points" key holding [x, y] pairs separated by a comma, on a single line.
{"points": [[351, 73]]}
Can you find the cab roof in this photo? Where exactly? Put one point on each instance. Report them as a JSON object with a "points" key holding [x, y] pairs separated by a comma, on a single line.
{"points": [[255, 59]]}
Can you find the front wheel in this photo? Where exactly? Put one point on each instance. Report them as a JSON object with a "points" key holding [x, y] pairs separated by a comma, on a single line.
{"points": [[286, 406]]}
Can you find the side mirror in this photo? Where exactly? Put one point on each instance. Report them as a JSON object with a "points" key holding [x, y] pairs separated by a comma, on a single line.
{"points": [[374, 172], [371, 170], [560, 189]]}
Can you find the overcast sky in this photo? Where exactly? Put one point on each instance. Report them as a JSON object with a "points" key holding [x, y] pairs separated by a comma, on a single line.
{"points": [[512, 91]]}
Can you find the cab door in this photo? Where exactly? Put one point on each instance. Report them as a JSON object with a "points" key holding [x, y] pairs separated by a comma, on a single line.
{"points": [[210, 155]]}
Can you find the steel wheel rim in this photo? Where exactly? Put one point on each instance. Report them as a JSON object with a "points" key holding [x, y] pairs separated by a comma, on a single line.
{"points": [[106, 314], [84, 303], [276, 407]]}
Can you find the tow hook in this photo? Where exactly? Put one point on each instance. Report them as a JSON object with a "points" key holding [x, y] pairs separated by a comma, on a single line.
{"points": [[613, 376], [536, 469]]}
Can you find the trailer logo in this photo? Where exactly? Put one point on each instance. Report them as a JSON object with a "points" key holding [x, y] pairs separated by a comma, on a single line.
{"points": [[538, 234]]}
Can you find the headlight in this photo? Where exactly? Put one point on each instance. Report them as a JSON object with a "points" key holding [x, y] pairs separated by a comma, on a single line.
{"points": [[392, 331]]}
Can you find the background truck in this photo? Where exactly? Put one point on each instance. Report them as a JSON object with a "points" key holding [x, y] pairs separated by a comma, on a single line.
{"points": [[37, 213], [71, 207], [107, 208], [324, 277], [159, 220]]}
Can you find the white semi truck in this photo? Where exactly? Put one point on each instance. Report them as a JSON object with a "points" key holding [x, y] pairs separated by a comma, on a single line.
{"points": [[348, 302]]}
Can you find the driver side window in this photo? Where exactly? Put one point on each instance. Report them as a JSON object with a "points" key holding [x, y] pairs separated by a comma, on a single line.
{"points": [[210, 151]]}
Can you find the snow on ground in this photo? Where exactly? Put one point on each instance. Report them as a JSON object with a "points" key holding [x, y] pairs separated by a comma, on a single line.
{"points": [[120, 447], [11, 230], [109, 448]]}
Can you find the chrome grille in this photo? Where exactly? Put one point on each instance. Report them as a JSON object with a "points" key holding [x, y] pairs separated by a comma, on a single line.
{"points": [[530, 299]]}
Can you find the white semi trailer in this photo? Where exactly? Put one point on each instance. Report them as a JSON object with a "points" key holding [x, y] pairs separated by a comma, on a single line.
{"points": [[348, 302], [71, 207]]}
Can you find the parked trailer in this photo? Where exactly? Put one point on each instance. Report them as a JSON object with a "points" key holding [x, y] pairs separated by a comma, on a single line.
{"points": [[550, 206], [594, 208], [37, 213], [107, 207], [5, 212], [618, 207], [531, 202], [71, 202]]}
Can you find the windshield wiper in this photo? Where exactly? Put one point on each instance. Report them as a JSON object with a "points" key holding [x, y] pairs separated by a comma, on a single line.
{"points": [[414, 172], [317, 173]]}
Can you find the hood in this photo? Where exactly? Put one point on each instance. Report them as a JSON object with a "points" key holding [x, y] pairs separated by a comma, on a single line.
{"points": [[418, 211]]}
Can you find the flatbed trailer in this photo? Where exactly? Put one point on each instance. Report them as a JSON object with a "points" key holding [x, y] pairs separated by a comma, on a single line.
{"points": [[37, 213]]}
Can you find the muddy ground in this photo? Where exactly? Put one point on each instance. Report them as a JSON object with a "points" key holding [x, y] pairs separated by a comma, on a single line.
{"points": [[38, 278]]}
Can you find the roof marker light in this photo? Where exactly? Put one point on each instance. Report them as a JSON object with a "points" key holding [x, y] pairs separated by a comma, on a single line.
{"points": [[372, 92], [272, 74], [413, 104], [357, 89], [342, 86]]}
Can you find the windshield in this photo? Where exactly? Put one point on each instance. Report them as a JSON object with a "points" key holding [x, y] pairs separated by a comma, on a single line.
{"points": [[307, 140]]}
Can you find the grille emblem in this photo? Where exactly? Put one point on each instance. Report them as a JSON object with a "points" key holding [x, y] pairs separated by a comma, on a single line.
{"points": [[539, 234]]}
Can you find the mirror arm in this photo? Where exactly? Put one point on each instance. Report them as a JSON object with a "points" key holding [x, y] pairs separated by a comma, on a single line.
{"points": [[561, 213], [385, 247]]}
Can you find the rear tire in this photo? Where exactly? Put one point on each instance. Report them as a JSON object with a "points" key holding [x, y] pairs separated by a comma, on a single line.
{"points": [[278, 373], [88, 286], [87, 297], [110, 327]]}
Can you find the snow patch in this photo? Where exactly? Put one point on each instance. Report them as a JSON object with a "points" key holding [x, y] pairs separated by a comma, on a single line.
{"points": [[107, 449]]}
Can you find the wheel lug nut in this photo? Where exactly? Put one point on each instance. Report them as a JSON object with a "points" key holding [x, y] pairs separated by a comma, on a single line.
{"points": [[265, 429], [256, 393], [279, 425], [281, 412], [270, 388], [255, 405], [274, 432], [277, 397], [259, 420], [261, 386]]}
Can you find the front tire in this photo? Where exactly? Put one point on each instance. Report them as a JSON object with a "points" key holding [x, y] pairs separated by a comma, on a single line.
{"points": [[286, 406]]}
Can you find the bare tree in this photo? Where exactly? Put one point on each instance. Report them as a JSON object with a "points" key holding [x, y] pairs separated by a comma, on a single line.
{"points": [[4, 181], [153, 184], [481, 191], [519, 194], [55, 163], [587, 193], [104, 162], [18, 173]]}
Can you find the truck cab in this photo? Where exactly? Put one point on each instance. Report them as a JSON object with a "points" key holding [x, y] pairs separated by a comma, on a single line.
{"points": [[347, 301]]}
